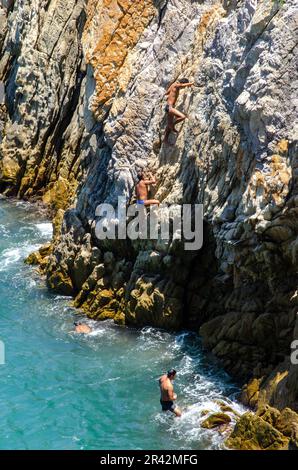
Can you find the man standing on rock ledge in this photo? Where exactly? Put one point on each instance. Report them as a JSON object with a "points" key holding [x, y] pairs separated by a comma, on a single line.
{"points": [[167, 395]]}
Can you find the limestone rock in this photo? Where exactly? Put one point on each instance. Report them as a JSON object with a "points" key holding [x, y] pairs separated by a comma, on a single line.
{"points": [[253, 433], [250, 393], [40, 257], [225, 408], [215, 420], [269, 414], [61, 283], [287, 424]]}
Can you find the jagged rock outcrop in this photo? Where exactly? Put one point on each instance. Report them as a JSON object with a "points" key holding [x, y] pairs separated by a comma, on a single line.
{"points": [[85, 83], [253, 433], [215, 420], [43, 69], [268, 429]]}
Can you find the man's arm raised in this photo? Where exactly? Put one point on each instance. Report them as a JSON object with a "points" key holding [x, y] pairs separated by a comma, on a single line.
{"points": [[152, 180], [183, 85]]}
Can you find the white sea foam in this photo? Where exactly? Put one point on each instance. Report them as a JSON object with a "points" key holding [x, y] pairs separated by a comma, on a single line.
{"points": [[46, 229], [98, 332], [13, 255], [23, 204], [4, 233], [101, 329], [150, 338], [188, 427], [199, 388]]}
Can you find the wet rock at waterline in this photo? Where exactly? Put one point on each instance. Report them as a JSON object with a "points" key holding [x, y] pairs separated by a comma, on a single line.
{"points": [[268, 429], [215, 420], [40, 257]]}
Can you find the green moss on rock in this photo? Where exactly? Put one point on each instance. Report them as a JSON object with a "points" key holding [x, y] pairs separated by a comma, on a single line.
{"points": [[61, 283], [215, 420], [250, 392], [253, 433], [40, 257]]}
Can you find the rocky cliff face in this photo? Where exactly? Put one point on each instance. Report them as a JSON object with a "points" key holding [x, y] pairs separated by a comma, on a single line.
{"points": [[85, 84], [43, 70]]}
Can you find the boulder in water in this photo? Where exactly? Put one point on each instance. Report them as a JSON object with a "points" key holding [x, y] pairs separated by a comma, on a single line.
{"points": [[253, 433], [215, 420], [40, 257]]}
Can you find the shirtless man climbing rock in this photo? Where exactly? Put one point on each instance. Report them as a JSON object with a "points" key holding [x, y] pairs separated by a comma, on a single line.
{"points": [[142, 190], [167, 395], [172, 93]]}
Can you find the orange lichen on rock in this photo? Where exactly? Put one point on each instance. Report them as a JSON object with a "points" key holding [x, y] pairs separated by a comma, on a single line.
{"points": [[112, 29], [282, 146], [280, 170], [275, 185], [208, 22], [280, 178]]}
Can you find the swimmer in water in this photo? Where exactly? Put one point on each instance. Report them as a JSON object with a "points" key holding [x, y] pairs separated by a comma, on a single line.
{"points": [[167, 395], [82, 328]]}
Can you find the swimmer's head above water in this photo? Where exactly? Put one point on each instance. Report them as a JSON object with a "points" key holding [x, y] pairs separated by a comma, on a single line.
{"points": [[82, 327]]}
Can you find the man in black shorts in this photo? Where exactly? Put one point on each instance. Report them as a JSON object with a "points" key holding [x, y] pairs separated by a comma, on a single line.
{"points": [[167, 395]]}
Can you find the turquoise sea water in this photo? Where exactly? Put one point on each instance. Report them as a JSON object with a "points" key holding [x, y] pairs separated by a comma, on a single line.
{"points": [[59, 390]]}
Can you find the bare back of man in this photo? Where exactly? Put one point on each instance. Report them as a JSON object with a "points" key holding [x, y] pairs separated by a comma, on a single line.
{"points": [[142, 190], [167, 395], [174, 116], [172, 94], [82, 328]]}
